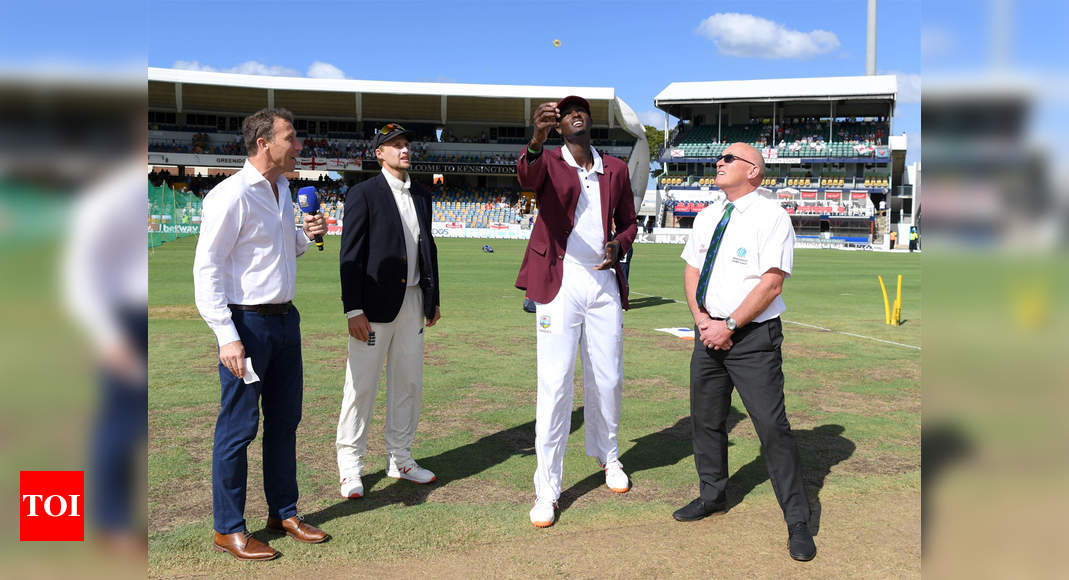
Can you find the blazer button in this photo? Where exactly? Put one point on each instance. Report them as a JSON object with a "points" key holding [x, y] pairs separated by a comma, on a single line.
{"points": [[560, 257], [403, 280], [404, 258]]}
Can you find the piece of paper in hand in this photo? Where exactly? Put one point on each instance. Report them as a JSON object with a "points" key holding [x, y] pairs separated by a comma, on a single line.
{"points": [[683, 333], [250, 375]]}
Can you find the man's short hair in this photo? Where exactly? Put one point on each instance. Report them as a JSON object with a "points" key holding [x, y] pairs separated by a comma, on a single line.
{"points": [[262, 124]]}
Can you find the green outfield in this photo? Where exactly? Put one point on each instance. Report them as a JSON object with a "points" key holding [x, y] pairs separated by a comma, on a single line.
{"points": [[853, 398]]}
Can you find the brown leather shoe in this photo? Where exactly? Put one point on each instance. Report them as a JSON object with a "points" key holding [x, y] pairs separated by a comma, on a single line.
{"points": [[298, 530], [243, 546]]}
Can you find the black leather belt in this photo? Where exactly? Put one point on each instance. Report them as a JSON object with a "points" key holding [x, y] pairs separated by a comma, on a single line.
{"points": [[264, 309]]}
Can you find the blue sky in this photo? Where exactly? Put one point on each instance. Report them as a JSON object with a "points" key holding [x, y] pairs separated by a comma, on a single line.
{"points": [[637, 47]]}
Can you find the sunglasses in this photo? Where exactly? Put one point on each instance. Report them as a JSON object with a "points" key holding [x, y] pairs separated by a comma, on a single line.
{"points": [[391, 128], [729, 158]]}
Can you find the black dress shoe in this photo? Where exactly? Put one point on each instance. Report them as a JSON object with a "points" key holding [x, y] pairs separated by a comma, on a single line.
{"points": [[800, 542], [699, 509]]}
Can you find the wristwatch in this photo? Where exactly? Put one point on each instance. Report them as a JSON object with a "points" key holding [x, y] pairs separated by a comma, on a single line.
{"points": [[730, 323]]}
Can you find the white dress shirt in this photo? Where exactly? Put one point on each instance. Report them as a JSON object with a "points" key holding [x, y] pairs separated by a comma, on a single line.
{"points": [[586, 243], [106, 263], [402, 195], [248, 248], [759, 237]]}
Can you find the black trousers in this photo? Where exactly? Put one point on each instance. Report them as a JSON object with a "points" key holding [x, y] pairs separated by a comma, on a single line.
{"points": [[754, 365]]}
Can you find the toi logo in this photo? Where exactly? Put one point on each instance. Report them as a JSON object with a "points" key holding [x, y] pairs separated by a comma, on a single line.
{"points": [[51, 506]]}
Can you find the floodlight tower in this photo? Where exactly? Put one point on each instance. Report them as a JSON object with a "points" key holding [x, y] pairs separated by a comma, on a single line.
{"points": [[870, 48]]}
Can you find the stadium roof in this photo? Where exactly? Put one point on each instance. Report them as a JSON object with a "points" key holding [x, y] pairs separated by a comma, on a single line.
{"points": [[363, 86], [182, 90], [814, 89], [188, 90]]}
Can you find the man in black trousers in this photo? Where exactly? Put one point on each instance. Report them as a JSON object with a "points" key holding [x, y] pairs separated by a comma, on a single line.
{"points": [[740, 252]]}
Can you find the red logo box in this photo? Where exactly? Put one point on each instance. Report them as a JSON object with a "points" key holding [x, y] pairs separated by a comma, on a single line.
{"points": [[51, 506]]}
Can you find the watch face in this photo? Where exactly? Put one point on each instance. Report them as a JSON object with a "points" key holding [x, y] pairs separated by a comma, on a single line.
{"points": [[730, 323]]}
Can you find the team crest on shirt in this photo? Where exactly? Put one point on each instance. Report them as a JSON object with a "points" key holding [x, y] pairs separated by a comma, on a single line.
{"points": [[740, 256], [545, 322]]}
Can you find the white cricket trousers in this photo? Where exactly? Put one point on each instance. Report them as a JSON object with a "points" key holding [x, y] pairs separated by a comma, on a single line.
{"points": [[585, 313], [400, 345]]}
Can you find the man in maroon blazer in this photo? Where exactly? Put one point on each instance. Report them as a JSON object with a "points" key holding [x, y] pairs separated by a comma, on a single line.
{"points": [[571, 270]]}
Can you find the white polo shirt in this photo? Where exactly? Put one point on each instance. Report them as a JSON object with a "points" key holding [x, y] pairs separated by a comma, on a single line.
{"points": [[586, 243], [758, 237]]}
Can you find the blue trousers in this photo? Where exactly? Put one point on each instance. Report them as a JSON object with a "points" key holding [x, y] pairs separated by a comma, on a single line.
{"points": [[121, 428], [274, 344]]}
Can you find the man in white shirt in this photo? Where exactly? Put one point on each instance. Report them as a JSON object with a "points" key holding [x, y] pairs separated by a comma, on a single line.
{"points": [[106, 285], [245, 278], [389, 286], [738, 255], [571, 269]]}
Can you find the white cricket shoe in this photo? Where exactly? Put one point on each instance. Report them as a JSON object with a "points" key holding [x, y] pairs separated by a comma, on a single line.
{"points": [[544, 513], [615, 478], [409, 470], [352, 487]]}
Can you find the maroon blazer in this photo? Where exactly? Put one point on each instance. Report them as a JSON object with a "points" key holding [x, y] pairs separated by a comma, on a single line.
{"points": [[556, 187]]}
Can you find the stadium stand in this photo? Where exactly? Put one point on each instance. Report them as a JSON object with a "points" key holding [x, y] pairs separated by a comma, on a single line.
{"points": [[795, 139], [495, 153], [478, 208], [467, 137], [231, 144], [827, 145], [474, 207]]}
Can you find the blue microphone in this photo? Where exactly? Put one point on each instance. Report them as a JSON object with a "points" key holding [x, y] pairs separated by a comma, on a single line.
{"points": [[309, 202]]}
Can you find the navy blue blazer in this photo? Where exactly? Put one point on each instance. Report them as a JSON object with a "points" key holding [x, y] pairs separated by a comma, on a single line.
{"points": [[374, 262]]}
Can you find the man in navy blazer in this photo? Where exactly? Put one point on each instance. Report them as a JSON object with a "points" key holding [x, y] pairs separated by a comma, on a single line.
{"points": [[389, 285], [571, 269]]}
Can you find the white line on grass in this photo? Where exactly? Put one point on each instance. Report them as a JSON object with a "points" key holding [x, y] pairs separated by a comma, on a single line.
{"points": [[821, 328]]}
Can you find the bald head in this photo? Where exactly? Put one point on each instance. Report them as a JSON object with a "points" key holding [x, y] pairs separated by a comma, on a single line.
{"points": [[739, 170], [749, 153]]}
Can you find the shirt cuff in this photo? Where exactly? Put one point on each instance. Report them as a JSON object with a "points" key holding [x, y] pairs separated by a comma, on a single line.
{"points": [[354, 313], [226, 334], [302, 241]]}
